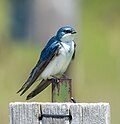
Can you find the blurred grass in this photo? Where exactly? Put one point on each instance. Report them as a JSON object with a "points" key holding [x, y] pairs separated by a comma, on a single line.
{"points": [[96, 76], [99, 79]]}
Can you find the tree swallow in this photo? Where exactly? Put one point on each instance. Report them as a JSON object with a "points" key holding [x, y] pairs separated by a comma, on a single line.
{"points": [[53, 62]]}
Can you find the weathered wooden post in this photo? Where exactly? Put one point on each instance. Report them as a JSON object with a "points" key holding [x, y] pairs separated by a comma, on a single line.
{"points": [[59, 113]]}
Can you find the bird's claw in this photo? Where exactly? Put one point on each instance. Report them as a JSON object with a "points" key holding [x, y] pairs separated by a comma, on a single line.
{"points": [[55, 79]]}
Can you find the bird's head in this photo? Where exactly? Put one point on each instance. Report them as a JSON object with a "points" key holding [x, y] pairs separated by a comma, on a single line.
{"points": [[66, 34]]}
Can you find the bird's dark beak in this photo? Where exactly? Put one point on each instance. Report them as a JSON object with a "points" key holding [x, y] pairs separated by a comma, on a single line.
{"points": [[74, 32]]}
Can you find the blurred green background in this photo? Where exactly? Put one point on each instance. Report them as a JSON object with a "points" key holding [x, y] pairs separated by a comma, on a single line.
{"points": [[95, 70]]}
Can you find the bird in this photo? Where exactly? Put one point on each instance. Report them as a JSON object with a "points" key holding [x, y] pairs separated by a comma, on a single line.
{"points": [[53, 62]]}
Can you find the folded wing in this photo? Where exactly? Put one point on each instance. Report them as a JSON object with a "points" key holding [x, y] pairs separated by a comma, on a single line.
{"points": [[47, 55]]}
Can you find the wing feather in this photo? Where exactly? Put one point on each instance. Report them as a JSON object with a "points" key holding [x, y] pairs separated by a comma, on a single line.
{"points": [[43, 84], [46, 56]]}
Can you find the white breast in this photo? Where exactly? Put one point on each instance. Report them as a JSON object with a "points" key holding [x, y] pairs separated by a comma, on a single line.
{"points": [[60, 63]]}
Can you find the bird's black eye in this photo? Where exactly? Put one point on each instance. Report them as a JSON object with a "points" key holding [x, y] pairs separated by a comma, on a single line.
{"points": [[67, 31]]}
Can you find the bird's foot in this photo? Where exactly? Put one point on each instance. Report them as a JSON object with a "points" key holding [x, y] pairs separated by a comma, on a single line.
{"points": [[55, 79]]}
